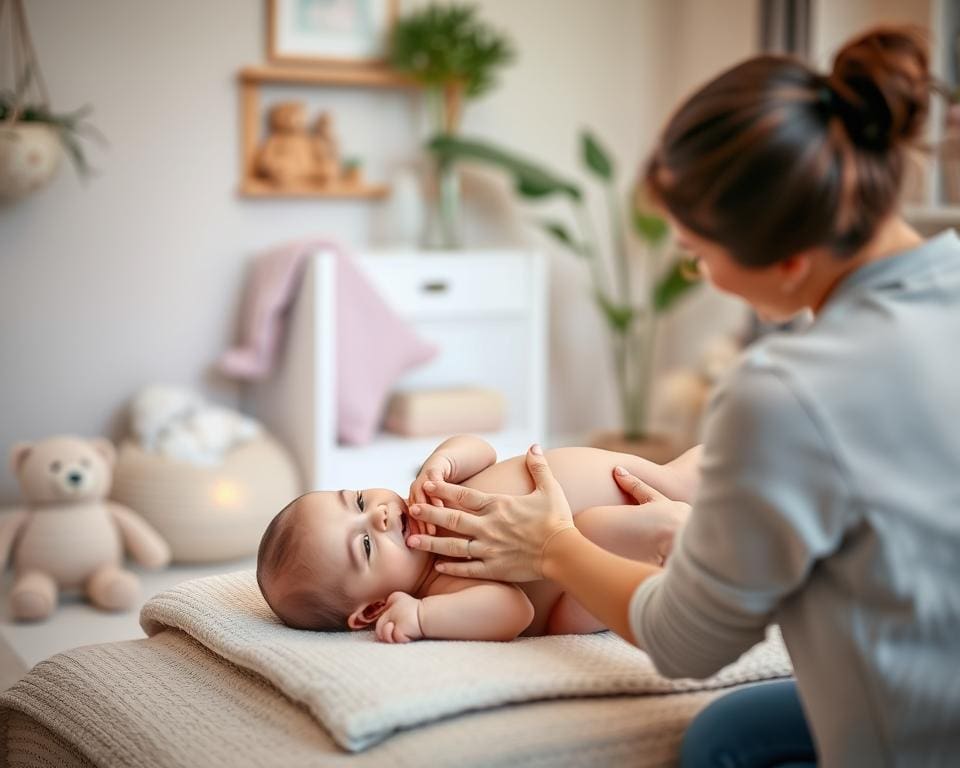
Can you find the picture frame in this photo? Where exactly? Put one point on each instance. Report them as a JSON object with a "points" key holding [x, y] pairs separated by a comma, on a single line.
{"points": [[329, 31]]}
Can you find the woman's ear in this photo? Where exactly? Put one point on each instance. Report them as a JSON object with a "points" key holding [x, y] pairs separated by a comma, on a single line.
{"points": [[793, 271], [366, 615]]}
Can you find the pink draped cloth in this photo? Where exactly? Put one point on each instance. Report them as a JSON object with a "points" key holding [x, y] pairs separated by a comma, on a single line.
{"points": [[374, 345]]}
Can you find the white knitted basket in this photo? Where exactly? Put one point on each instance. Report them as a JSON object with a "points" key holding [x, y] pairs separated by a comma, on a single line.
{"points": [[207, 514]]}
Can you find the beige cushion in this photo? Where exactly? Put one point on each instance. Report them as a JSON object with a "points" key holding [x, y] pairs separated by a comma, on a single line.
{"points": [[445, 411], [207, 514]]}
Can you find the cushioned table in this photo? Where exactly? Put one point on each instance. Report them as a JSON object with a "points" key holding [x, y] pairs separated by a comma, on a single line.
{"points": [[220, 683]]}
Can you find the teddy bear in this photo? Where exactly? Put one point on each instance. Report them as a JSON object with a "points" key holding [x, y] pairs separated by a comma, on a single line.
{"points": [[67, 535], [286, 157], [179, 424]]}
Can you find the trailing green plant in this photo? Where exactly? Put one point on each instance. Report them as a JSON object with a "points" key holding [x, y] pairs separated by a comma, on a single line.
{"points": [[630, 318]]}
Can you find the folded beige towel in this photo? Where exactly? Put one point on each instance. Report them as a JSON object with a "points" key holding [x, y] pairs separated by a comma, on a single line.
{"points": [[424, 412], [362, 691]]}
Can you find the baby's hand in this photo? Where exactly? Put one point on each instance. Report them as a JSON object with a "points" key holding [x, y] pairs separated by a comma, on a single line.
{"points": [[435, 468], [400, 621]]}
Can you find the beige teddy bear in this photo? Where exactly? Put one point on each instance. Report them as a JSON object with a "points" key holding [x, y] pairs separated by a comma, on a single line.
{"points": [[286, 157], [68, 535]]}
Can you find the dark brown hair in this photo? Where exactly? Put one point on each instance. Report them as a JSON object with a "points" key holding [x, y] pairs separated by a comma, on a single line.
{"points": [[772, 158], [300, 598]]}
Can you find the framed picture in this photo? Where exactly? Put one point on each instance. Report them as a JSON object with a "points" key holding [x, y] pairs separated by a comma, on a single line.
{"points": [[329, 31]]}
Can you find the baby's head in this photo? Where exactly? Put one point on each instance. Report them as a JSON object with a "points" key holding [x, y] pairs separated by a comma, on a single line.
{"points": [[329, 559]]}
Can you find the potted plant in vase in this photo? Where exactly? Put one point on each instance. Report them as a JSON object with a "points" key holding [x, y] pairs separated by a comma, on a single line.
{"points": [[32, 137], [455, 56], [631, 314]]}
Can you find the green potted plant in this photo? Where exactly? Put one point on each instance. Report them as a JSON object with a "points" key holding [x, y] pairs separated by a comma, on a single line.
{"points": [[631, 315], [455, 56]]}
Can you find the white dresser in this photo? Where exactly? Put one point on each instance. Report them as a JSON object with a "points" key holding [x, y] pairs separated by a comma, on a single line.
{"points": [[485, 310]]}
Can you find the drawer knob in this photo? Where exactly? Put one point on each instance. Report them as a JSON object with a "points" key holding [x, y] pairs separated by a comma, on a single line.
{"points": [[435, 286]]}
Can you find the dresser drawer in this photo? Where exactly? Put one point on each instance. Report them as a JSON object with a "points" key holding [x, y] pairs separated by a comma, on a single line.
{"points": [[434, 286]]}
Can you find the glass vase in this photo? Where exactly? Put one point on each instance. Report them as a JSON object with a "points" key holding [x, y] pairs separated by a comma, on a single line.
{"points": [[633, 353]]}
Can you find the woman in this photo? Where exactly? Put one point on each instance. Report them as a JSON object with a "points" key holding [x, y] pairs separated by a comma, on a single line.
{"points": [[829, 484]]}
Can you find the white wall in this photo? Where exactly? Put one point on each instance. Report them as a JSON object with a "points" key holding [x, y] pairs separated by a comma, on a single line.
{"points": [[133, 278]]}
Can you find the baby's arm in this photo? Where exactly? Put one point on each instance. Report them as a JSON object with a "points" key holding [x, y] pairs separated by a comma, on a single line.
{"points": [[466, 609], [463, 456], [481, 610], [454, 460]]}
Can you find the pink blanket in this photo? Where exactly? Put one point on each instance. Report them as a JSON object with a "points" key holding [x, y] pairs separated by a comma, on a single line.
{"points": [[375, 346]]}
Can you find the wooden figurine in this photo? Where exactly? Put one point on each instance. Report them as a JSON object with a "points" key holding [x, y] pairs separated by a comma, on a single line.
{"points": [[326, 156], [286, 157]]}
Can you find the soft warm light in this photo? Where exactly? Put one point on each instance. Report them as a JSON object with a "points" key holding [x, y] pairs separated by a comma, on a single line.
{"points": [[226, 493]]}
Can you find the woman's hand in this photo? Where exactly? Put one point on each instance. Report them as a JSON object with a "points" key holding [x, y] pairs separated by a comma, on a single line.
{"points": [[436, 468], [683, 475], [663, 517], [507, 535]]}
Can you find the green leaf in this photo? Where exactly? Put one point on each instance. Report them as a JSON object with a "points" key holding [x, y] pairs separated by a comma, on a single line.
{"points": [[595, 157], [671, 287], [562, 235], [651, 228], [533, 186], [618, 316], [530, 179]]}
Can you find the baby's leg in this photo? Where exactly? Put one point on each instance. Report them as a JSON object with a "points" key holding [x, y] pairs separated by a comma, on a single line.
{"points": [[568, 617], [643, 532], [626, 531]]}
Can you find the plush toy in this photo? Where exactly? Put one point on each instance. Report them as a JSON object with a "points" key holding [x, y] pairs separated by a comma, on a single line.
{"points": [[286, 157], [179, 424], [67, 535]]}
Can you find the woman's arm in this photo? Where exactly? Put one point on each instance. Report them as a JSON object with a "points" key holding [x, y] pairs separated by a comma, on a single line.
{"points": [[602, 582]]}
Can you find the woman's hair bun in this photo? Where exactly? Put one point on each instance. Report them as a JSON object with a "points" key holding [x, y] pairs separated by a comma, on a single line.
{"points": [[881, 86]]}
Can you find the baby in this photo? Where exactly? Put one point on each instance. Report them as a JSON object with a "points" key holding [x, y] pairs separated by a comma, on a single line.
{"points": [[338, 560]]}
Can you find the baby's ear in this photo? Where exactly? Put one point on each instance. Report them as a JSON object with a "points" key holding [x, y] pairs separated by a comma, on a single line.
{"points": [[366, 615]]}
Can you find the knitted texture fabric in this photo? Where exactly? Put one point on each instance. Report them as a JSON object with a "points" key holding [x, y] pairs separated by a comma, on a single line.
{"points": [[168, 702], [362, 691]]}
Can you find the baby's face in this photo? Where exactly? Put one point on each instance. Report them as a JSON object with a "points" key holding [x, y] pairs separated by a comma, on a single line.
{"points": [[359, 538]]}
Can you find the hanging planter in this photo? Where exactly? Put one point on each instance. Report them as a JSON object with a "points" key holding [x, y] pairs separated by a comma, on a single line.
{"points": [[32, 138], [30, 155]]}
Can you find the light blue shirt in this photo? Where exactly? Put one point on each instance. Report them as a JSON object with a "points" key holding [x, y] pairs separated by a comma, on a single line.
{"points": [[830, 504]]}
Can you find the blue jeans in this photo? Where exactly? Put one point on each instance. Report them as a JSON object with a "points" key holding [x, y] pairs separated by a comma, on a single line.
{"points": [[757, 727]]}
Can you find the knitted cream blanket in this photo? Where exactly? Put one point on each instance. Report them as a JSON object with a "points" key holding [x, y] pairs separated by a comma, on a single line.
{"points": [[362, 691]]}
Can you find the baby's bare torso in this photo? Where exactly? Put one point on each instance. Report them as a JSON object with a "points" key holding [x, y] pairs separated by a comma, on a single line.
{"points": [[586, 476]]}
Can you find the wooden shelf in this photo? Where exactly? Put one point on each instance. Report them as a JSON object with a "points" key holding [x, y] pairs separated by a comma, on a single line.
{"points": [[251, 79], [933, 214], [256, 188], [363, 76]]}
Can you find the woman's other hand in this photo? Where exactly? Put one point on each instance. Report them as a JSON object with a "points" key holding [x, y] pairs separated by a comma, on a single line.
{"points": [[506, 535], [665, 517]]}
